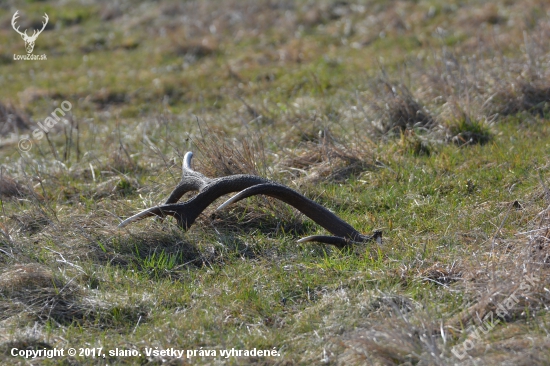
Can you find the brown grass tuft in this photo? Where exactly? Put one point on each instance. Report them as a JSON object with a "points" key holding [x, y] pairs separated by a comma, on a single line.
{"points": [[226, 157], [398, 341], [325, 161], [31, 222], [9, 187], [529, 97], [12, 120], [398, 109], [465, 129], [30, 276], [440, 274], [34, 289]]}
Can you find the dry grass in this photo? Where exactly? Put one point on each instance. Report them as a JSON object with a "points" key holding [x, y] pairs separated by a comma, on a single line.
{"points": [[13, 120], [445, 150], [510, 290], [529, 97], [327, 160], [223, 157], [399, 110], [9, 187], [35, 290]]}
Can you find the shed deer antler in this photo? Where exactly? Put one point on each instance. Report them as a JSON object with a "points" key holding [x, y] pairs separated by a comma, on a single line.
{"points": [[29, 41], [345, 233], [211, 189]]}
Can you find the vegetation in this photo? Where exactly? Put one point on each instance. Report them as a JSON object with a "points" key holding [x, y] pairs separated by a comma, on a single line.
{"points": [[426, 120]]}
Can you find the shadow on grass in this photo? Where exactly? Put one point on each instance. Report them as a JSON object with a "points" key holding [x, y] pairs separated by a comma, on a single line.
{"points": [[166, 254]]}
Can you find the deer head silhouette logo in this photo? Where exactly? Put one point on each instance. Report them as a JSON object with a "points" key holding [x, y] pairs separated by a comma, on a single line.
{"points": [[29, 40]]}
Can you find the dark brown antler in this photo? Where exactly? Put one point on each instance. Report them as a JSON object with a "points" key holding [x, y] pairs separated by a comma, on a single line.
{"points": [[211, 189], [345, 233]]}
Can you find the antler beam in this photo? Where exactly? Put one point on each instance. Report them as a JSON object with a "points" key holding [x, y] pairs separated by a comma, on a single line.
{"points": [[345, 233], [211, 189]]}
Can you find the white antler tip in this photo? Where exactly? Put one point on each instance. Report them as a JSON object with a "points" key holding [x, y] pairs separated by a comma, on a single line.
{"points": [[225, 204], [187, 160]]}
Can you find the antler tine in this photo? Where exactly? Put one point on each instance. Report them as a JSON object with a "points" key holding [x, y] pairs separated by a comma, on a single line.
{"points": [[326, 239], [345, 233], [153, 211], [187, 212], [341, 242], [13, 21], [186, 184], [187, 161], [36, 33], [190, 180]]}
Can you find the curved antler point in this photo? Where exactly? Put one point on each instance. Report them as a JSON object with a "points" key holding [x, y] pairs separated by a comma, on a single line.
{"points": [[187, 161], [233, 199]]}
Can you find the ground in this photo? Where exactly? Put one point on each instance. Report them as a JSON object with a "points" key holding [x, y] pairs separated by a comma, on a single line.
{"points": [[427, 121]]}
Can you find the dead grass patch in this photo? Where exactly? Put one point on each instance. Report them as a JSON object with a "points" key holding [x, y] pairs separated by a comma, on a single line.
{"points": [[9, 188], [399, 341], [441, 274], [326, 161], [31, 222], [44, 295], [12, 120], [388, 304], [528, 97], [398, 109], [224, 156], [511, 286], [34, 289]]}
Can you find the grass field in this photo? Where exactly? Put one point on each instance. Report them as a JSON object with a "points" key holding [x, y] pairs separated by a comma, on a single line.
{"points": [[428, 121]]}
